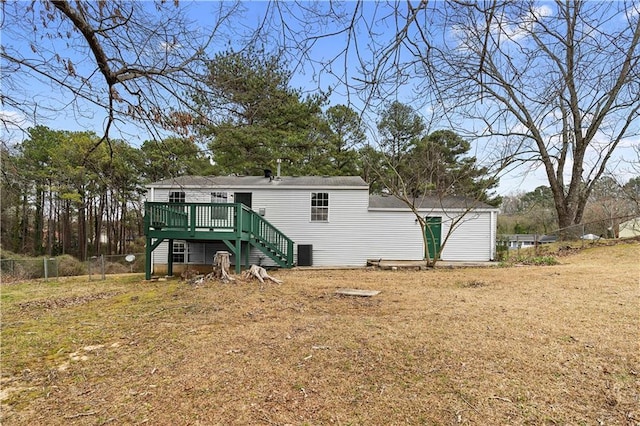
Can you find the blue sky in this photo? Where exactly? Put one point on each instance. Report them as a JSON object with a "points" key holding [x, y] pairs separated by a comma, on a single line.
{"points": [[69, 118]]}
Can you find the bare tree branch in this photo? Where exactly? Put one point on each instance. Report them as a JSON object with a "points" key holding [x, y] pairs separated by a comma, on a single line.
{"points": [[134, 61]]}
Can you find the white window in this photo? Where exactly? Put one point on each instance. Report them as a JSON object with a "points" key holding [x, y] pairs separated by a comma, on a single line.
{"points": [[176, 197], [219, 212], [319, 207], [179, 252], [219, 197]]}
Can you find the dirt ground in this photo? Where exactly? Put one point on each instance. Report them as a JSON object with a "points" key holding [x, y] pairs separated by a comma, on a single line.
{"points": [[518, 345]]}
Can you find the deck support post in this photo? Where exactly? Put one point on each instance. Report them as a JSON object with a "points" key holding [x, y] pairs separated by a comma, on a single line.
{"points": [[147, 259], [246, 255], [149, 248], [170, 258], [238, 255]]}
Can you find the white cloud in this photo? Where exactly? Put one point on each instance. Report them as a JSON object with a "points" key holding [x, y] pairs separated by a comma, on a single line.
{"points": [[12, 127], [13, 120], [502, 27], [169, 47], [524, 25]]}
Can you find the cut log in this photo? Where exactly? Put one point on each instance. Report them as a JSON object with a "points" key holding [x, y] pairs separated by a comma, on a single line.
{"points": [[221, 264], [357, 292], [260, 273]]}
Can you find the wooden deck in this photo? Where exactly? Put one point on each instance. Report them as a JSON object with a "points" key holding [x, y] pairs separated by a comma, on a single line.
{"points": [[231, 223]]}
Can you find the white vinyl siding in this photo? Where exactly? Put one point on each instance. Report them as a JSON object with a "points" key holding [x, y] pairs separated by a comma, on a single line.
{"points": [[288, 210]]}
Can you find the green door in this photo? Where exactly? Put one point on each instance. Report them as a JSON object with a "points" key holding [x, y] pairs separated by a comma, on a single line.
{"points": [[433, 231]]}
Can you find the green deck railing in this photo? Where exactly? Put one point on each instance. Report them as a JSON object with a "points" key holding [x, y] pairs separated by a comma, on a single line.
{"points": [[163, 215], [228, 219]]}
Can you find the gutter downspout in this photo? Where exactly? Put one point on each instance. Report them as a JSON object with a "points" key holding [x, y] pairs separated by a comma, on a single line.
{"points": [[151, 262], [492, 248]]}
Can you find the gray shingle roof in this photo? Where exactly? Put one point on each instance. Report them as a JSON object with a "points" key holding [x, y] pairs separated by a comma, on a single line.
{"points": [[261, 182]]}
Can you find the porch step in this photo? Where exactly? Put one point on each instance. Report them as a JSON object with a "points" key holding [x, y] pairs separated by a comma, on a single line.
{"points": [[272, 251], [275, 255]]}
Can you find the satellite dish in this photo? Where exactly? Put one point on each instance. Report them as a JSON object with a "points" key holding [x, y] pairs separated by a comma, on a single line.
{"points": [[130, 258]]}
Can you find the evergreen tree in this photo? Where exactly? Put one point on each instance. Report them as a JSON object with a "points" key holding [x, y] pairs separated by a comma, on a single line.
{"points": [[256, 118], [439, 164], [173, 157]]}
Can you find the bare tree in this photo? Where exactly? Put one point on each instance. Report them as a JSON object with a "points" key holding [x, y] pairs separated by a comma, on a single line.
{"points": [[552, 85], [126, 60], [563, 83]]}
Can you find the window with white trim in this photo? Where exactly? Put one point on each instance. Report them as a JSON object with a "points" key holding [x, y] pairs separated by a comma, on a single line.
{"points": [[177, 197], [219, 212], [319, 207], [219, 197], [179, 252]]}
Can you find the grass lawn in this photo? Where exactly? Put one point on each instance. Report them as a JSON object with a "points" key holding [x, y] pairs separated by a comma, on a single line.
{"points": [[518, 345]]}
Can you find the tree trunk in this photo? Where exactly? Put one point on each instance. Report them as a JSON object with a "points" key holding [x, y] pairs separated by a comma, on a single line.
{"points": [[260, 273], [122, 234], [82, 230], [221, 265], [24, 224], [38, 223]]}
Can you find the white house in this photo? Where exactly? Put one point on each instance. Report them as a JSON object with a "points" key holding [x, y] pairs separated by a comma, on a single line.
{"points": [[630, 228], [517, 241], [332, 221]]}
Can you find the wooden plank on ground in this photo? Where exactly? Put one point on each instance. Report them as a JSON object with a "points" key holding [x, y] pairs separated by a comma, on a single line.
{"points": [[357, 292]]}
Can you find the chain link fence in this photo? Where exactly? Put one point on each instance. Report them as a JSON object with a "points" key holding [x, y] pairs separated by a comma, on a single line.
{"points": [[580, 235], [96, 267]]}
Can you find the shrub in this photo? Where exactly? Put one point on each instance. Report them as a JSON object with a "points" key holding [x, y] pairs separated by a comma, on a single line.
{"points": [[70, 266], [115, 268], [532, 260]]}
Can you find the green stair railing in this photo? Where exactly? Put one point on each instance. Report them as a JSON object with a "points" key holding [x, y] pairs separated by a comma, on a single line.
{"points": [[270, 240]]}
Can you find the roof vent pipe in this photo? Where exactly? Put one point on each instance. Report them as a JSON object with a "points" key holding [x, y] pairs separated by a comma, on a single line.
{"points": [[278, 161]]}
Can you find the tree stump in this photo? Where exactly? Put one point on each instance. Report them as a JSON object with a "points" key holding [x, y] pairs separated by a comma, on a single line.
{"points": [[221, 264], [260, 273]]}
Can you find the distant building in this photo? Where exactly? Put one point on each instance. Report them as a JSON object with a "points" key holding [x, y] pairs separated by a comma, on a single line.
{"points": [[591, 237], [516, 241], [630, 228]]}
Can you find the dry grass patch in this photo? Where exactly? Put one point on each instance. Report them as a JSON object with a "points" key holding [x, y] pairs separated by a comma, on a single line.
{"points": [[523, 345]]}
